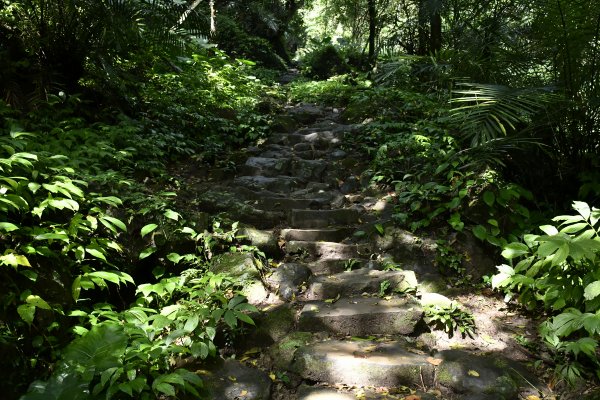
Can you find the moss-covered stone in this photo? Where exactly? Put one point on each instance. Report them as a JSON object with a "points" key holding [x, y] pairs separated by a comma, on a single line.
{"points": [[282, 352], [277, 323], [242, 266]]}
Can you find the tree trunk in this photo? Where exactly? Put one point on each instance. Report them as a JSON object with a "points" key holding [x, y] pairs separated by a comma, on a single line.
{"points": [[423, 34], [372, 30], [436, 32]]}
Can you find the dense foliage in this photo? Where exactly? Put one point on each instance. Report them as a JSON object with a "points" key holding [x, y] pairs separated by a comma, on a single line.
{"points": [[480, 118]]}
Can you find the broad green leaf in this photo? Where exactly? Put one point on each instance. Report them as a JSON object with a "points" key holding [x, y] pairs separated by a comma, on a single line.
{"points": [[100, 349], [148, 228], [230, 319], [380, 229], [14, 260], [8, 227], [549, 230], [174, 258], [38, 302], [480, 232], [513, 250], [164, 388], [582, 208], [147, 252], [172, 215], [26, 312], [570, 229], [116, 222], [592, 290], [95, 253], [489, 198], [561, 254], [191, 323]]}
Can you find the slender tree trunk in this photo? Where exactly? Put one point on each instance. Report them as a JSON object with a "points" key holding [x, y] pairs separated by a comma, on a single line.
{"points": [[372, 30], [436, 32], [423, 34]]}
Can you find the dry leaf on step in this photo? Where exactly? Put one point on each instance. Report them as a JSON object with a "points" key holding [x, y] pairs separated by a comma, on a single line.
{"points": [[434, 361], [413, 397], [472, 372], [532, 397]]}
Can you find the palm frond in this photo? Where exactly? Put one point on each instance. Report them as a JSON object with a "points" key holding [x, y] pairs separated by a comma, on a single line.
{"points": [[487, 112]]}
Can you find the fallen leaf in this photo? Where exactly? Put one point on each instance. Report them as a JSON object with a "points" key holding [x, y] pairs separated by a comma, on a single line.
{"points": [[472, 372], [232, 378], [532, 397], [331, 301], [413, 397], [434, 361], [369, 349], [273, 376], [243, 393]]}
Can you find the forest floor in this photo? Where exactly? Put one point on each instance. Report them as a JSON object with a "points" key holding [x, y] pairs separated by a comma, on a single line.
{"points": [[351, 307]]}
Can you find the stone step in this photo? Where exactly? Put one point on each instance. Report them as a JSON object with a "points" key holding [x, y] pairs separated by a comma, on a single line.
{"points": [[312, 219], [316, 235], [358, 281], [363, 363], [362, 316], [278, 184], [328, 267], [320, 140], [327, 250], [264, 166], [287, 204]]}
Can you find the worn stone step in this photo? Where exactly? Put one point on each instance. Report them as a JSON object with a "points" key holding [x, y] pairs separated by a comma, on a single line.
{"points": [[328, 267], [363, 363], [264, 166], [279, 184], [323, 218], [362, 316], [358, 281], [327, 250], [317, 235], [286, 204]]}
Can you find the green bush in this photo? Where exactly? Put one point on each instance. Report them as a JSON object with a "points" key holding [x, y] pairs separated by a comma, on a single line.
{"points": [[559, 271]]}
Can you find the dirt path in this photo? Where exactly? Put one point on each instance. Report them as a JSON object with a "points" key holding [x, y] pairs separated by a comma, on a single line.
{"points": [[343, 301]]}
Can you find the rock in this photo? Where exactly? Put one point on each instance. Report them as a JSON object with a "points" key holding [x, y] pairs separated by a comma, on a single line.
{"points": [[323, 218], [362, 363], [276, 323], [257, 294], [306, 113], [478, 261], [315, 235], [284, 123], [435, 299], [287, 277], [265, 241], [327, 250], [488, 377], [408, 250], [230, 378], [362, 316], [308, 169], [282, 352], [322, 393], [350, 185], [355, 282], [328, 267], [270, 167], [278, 184], [242, 266]]}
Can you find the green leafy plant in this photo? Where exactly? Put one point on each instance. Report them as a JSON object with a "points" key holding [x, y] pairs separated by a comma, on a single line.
{"points": [[559, 271], [451, 318]]}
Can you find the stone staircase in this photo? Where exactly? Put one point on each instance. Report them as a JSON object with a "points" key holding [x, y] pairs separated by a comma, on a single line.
{"points": [[335, 323]]}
